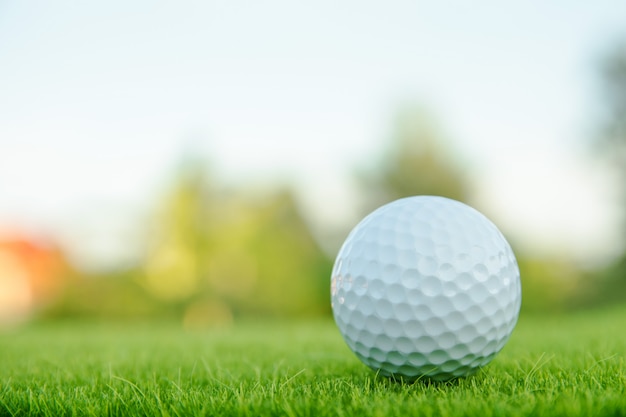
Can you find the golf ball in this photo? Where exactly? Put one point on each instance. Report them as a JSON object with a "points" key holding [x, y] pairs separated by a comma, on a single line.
{"points": [[425, 287]]}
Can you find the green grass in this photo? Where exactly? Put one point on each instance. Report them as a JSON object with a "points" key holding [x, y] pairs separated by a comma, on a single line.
{"points": [[569, 365]]}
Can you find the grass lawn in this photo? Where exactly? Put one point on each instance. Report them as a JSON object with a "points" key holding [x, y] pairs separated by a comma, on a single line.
{"points": [[559, 365]]}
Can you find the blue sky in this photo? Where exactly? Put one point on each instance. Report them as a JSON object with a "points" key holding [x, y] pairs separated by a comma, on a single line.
{"points": [[99, 102]]}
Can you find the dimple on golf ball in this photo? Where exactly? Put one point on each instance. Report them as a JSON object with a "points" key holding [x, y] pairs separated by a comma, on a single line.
{"points": [[425, 287]]}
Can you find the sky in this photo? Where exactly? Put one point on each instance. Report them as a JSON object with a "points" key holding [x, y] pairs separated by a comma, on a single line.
{"points": [[100, 101]]}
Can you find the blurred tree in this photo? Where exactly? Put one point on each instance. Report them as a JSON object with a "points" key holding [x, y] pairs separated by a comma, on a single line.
{"points": [[268, 261], [286, 249], [612, 142], [417, 162], [613, 138], [108, 295], [212, 255], [178, 240], [216, 254], [552, 284]]}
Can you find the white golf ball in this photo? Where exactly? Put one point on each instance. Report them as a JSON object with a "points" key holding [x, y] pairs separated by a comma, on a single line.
{"points": [[425, 287]]}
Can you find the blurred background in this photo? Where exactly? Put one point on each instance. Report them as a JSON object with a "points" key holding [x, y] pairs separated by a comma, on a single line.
{"points": [[203, 161]]}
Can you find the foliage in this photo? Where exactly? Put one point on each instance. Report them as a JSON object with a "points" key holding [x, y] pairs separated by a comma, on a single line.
{"points": [[570, 365], [551, 284], [612, 285], [211, 255], [612, 142], [417, 162], [613, 138], [113, 295], [614, 89]]}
